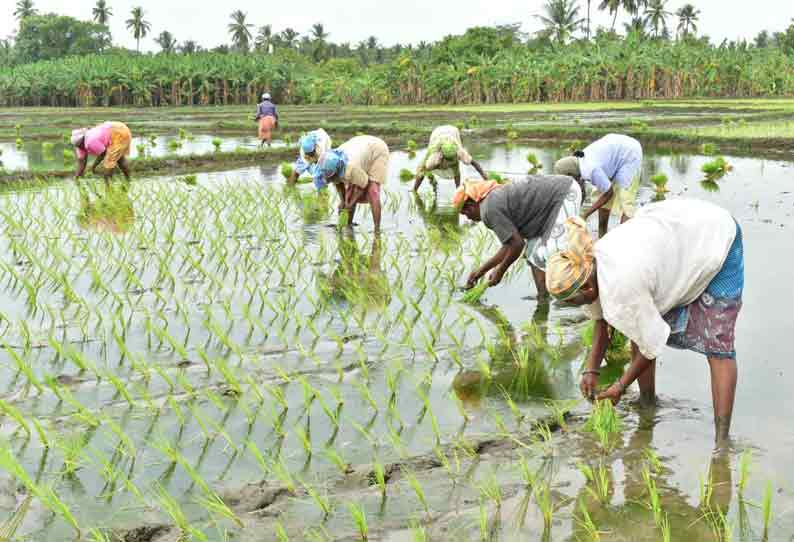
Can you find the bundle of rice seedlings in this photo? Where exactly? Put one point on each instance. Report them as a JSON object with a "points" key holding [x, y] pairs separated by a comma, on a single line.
{"points": [[474, 294], [660, 182], [287, 169], [406, 175], [411, 145], [717, 167]]}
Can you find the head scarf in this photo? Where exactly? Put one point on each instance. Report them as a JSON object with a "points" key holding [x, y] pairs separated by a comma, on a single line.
{"points": [[473, 190], [332, 163], [77, 135], [568, 166], [567, 271], [266, 96], [449, 150], [309, 143]]}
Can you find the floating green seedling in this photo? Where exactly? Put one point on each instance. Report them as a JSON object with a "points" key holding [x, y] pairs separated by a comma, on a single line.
{"points": [[494, 176], [411, 145], [717, 168], [217, 142], [19, 143], [406, 175], [18, 130], [141, 148], [660, 183], [708, 149], [174, 145], [473, 295], [534, 162], [182, 133]]}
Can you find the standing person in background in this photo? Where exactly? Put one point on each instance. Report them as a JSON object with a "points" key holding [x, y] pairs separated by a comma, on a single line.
{"points": [[267, 117], [312, 146], [109, 142], [612, 165], [357, 168], [446, 151]]}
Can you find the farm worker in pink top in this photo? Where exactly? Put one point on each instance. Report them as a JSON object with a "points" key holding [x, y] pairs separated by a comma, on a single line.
{"points": [[109, 142]]}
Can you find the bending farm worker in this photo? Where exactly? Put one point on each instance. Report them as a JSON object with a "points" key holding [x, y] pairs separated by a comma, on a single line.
{"points": [[534, 210], [673, 275], [357, 169], [109, 142], [446, 151], [312, 146], [267, 117], [612, 165]]}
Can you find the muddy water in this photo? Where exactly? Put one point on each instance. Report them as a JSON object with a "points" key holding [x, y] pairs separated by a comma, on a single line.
{"points": [[759, 195], [38, 157]]}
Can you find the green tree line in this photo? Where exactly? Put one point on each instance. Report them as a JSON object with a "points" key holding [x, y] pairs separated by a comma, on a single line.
{"points": [[659, 56]]}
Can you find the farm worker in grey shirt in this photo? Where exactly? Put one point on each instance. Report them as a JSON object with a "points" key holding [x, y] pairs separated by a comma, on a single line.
{"points": [[673, 275], [267, 117], [357, 169], [446, 151], [612, 165], [534, 209]]}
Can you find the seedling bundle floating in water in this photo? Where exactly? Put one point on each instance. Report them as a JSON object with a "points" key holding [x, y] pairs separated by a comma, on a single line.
{"points": [[287, 170], [473, 295], [406, 175]]}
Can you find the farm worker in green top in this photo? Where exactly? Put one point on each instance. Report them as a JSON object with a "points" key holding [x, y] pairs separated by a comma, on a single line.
{"points": [[612, 165], [109, 142], [446, 151], [312, 146], [673, 275], [357, 169], [534, 209]]}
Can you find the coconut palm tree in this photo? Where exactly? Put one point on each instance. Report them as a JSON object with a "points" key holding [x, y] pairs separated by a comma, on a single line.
{"points": [[636, 26], [264, 38], [288, 37], [24, 9], [561, 18], [687, 20], [189, 47], [240, 30], [613, 6], [166, 41], [319, 37], [139, 26], [656, 16], [102, 12]]}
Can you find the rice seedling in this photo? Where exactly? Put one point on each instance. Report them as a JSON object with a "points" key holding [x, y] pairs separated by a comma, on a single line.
{"points": [[174, 145], [534, 162], [660, 183], [744, 471], [717, 168], [598, 480], [281, 533], [604, 423], [286, 169], [406, 175], [190, 180], [417, 487], [585, 522], [473, 295], [19, 143], [216, 143], [410, 145], [654, 502], [542, 494], [360, 520], [141, 148], [494, 176], [708, 149], [766, 509]]}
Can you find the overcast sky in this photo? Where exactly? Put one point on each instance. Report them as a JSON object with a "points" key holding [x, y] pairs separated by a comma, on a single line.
{"points": [[391, 21]]}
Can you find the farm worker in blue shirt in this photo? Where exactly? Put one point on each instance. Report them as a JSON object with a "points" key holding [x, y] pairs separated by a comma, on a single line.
{"points": [[267, 117], [312, 146], [612, 165]]}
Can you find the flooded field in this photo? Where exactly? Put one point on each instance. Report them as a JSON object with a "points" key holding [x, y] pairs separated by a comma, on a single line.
{"points": [[216, 360]]}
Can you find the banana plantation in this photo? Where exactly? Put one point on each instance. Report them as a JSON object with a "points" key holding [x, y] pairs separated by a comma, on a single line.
{"points": [[605, 69]]}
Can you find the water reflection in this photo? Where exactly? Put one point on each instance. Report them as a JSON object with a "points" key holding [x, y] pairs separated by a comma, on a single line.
{"points": [[633, 518], [524, 365], [358, 279], [108, 211]]}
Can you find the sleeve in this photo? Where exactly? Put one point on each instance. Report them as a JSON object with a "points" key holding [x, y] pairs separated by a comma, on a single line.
{"points": [[635, 315], [464, 156], [319, 180], [500, 224], [625, 175], [600, 180], [593, 311]]}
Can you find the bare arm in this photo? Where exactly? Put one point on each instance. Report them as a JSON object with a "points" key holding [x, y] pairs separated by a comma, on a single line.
{"points": [[600, 202], [639, 364], [476, 165], [502, 261], [353, 193], [81, 164], [97, 161], [597, 353]]}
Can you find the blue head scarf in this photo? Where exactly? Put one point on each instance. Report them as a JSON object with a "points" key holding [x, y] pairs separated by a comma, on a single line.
{"points": [[332, 163], [309, 143]]}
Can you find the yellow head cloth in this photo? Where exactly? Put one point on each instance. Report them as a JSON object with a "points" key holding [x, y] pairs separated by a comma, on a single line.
{"points": [[473, 190], [567, 271]]}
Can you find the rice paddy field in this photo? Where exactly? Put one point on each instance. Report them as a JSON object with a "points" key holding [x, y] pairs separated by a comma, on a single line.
{"points": [[206, 355]]}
